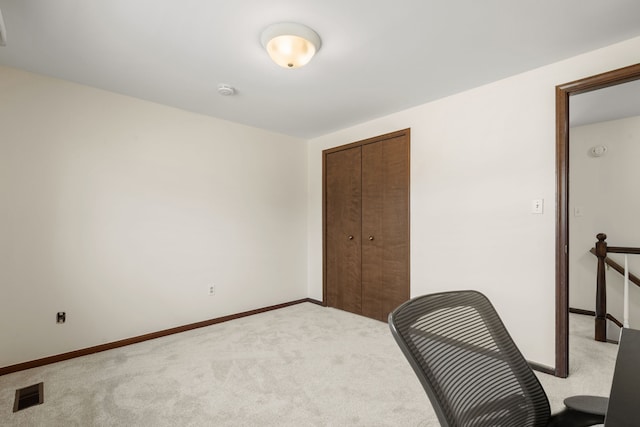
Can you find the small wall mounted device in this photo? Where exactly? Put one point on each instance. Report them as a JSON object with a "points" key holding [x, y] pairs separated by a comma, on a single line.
{"points": [[3, 32]]}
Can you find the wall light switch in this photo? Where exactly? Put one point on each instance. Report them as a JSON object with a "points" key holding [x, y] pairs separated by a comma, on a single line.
{"points": [[537, 206]]}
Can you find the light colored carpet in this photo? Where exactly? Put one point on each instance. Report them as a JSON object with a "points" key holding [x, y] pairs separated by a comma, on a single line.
{"points": [[303, 365], [591, 365]]}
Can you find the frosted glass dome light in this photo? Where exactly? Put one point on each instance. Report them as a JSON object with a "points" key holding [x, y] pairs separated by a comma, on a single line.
{"points": [[290, 45]]}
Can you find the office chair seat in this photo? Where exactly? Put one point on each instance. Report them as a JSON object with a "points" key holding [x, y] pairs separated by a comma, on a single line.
{"points": [[470, 368]]}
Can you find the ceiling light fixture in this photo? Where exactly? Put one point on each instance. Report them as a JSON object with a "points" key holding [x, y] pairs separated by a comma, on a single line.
{"points": [[3, 32], [290, 45]]}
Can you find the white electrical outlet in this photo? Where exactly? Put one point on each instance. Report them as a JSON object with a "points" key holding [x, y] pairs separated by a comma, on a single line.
{"points": [[211, 289]]}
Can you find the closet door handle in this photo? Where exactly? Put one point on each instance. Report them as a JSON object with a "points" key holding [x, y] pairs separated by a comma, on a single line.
{"points": [[370, 237], [350, 237]]}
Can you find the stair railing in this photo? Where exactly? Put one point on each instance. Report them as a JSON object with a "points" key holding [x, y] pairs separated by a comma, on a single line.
{"points": [[601, 251]]}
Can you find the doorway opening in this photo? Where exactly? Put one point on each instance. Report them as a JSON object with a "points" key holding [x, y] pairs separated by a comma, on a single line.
{"points": [[563, 93]]}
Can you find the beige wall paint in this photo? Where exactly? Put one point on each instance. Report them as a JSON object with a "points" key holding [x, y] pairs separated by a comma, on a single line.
{"points": [[121, 212], [478, 159], [605, 189]]}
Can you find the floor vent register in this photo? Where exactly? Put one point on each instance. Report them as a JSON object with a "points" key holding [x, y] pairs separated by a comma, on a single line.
{"points": [[29, 396]]}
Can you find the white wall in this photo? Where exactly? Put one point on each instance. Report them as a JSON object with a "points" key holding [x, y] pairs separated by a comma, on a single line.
{"points": [[605, 189], [478, 159], [121, 212]]}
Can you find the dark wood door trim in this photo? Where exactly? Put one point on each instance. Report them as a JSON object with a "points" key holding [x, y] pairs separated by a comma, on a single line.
{"points": [[372, 140], [375, 139], [563, 92]]}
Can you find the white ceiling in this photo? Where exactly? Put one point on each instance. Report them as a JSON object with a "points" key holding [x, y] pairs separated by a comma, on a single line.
{"points": [[610, 103], [377, 56]]}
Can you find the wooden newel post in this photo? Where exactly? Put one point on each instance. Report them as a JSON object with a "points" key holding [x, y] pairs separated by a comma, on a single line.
{"points": [[601, 289]]}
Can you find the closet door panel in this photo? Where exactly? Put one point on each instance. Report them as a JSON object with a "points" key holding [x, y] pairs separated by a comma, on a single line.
{"points": [[343, 229], [395, 223], [372, 230], [385, 226]]}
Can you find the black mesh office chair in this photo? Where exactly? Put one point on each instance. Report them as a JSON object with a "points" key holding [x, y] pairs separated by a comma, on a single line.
{"points": [[471, 369]]}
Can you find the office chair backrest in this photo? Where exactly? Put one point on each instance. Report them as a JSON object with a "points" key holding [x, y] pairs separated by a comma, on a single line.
{"points": [[467, 363]]}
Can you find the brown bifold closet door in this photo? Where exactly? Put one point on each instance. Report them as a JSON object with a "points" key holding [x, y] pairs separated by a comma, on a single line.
{"points": [[343, 236], [380, 282]]}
